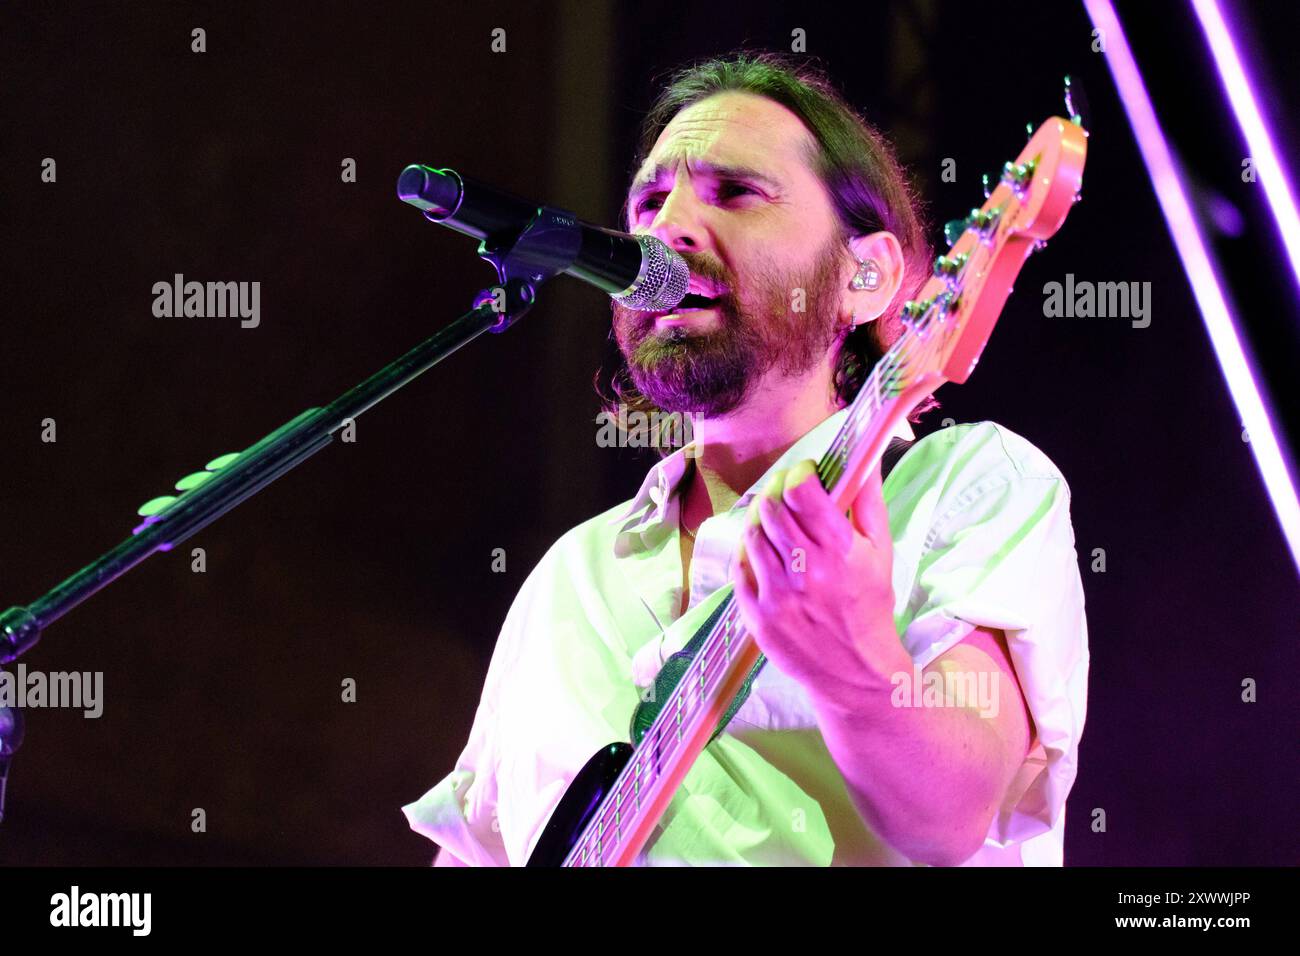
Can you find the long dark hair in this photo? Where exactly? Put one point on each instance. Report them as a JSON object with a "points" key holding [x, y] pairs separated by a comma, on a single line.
{"points": [[867, 186]]}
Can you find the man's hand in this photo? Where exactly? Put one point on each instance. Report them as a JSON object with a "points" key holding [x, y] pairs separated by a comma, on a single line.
{"points": [[815, 587], [815, 590]]}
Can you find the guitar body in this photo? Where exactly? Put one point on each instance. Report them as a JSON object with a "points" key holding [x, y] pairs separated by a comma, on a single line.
{"points": [[579, 805]]}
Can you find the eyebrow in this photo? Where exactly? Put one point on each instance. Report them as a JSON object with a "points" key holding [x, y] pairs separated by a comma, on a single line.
{"points": [[644, 184]]}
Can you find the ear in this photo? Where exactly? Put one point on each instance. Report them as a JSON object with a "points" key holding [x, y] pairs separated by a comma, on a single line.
{"points": [[868, 304]]}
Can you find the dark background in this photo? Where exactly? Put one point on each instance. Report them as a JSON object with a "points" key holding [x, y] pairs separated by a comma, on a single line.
{"points": [[373, 560]]}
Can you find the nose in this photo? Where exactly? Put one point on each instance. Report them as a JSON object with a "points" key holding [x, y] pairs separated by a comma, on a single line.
{"points": [[679, 222]]}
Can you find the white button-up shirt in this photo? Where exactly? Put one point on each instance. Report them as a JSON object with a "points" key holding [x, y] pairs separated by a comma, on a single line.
{"points": [[982, 537]]}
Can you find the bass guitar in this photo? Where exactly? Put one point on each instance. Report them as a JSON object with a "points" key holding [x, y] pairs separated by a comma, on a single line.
{"points": [[611, 808]]}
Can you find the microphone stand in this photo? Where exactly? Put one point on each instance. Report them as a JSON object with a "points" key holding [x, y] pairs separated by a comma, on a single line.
{"points": [[545, 246]]}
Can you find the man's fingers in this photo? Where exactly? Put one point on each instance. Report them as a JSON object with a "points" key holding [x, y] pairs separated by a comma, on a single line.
{"points": [[762, 559], [746, 587], [869, 514], [781, 527], [813, 510]]}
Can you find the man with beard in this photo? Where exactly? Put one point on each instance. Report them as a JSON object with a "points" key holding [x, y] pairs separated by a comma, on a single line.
{"points": [[803, 240]]}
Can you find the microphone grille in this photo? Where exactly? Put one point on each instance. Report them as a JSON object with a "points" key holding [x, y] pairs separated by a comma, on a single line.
{"points": [[662, 282]]}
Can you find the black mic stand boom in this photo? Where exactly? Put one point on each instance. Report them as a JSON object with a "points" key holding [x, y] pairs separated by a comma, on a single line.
{"points": [[524, 259]]}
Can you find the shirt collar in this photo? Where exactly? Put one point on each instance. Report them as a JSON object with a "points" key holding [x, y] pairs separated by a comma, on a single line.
{"points": [[651, 504]]}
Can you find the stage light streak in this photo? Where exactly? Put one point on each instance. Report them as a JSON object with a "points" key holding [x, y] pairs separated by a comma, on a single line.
{"points": [[1207, 287]]}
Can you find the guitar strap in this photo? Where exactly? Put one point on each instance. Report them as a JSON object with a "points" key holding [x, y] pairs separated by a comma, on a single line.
{"points": [[671, 673]]}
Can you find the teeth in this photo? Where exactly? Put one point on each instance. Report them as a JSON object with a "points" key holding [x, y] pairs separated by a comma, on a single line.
{"points": [[691, 302], [705, 292]]}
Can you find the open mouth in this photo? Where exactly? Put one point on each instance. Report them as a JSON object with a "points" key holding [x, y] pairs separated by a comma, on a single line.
{"points": [[693, 300]]}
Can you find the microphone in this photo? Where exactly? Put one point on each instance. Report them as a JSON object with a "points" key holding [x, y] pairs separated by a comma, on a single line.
{"points": [[638, 272]]}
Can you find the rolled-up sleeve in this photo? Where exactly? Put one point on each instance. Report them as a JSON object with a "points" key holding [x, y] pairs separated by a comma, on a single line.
{"points": [[463, 812], [459, 813], [1001, 555]]}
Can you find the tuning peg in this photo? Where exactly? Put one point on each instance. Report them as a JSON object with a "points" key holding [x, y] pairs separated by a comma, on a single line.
{"points": [[1076, 103], [985, 180], [943, 305], [984, 222], [1029, 132], [1017, 175], [1074, 113], [916, 309], [947, 267], [953, 229]]}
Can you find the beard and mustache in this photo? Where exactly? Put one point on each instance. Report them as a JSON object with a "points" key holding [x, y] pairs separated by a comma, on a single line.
{"points": [[712, 373]]}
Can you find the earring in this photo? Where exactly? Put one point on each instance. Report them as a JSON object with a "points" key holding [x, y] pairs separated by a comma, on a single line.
{"points": [[867, 277]]}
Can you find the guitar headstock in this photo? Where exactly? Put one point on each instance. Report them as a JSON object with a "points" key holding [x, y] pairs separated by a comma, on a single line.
{"points": [[955, 311], [948, 324]]}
